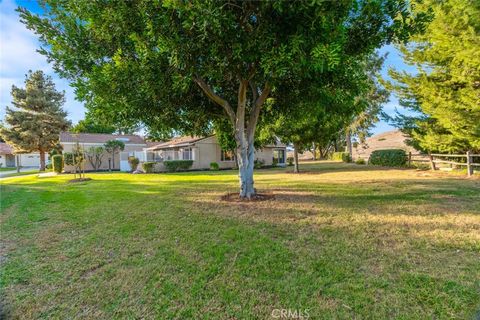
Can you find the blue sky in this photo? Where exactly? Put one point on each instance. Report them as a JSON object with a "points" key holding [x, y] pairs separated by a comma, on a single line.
{"points": [[18, 54]]}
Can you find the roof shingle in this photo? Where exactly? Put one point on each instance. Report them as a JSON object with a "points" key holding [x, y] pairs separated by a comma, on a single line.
{"points": [[99, 138]]}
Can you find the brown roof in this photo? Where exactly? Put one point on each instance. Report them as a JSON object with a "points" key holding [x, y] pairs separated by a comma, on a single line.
{"points": [[5, 148], [177, 142], [99, 138]]}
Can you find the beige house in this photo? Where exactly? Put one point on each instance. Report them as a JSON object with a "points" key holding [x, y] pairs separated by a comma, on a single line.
{"points": [[387, 140], [88, 140], [203, 151], [9, 159]]}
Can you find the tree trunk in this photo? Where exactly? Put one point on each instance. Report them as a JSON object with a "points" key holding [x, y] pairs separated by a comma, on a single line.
{"points": [[314, 151], [244, 131], [295, 159], [42, 160], [348, 137], [113, 160]]}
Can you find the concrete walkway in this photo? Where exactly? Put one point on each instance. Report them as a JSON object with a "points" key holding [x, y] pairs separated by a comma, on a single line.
{"points": [[4, 174]]}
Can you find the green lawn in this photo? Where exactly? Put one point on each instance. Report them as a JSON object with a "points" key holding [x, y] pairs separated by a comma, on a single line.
{"points": [[22, 173], [7, 169], [342, 241]]}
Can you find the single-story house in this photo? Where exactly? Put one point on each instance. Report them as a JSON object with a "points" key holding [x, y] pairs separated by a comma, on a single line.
{"points": [[394, 139], [8, 158], [203, 151], [88, 140]]}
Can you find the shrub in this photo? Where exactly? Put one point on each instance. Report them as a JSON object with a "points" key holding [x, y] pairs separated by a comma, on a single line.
{"points": [[214, 166], [68, 158], [49, 166], [274, 162], [133, 162], [148, 167], [341, 156], [290, 161], [258, 163], [177, 165], [388, 158], [57, 161], [360, 161]]}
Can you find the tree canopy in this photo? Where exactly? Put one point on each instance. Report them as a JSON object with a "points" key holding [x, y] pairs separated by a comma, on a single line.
{"points": [[444, 92], [35, 122], [182, 65]]}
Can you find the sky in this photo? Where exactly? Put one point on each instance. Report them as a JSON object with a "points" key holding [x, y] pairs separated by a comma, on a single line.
{"points": [[18, 54]]}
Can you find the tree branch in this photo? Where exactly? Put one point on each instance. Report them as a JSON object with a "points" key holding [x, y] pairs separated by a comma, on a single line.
{"points": [[252, 123], [215, 98]]}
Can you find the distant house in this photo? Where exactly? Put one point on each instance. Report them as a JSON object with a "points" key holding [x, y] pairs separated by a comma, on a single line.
{"points": [[388, 140], [205, 150], [8, 158], [87, 140]]}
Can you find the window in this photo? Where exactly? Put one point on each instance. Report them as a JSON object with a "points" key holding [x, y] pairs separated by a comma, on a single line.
{"points": [[227, 155], [187, 154], [279, 155]]}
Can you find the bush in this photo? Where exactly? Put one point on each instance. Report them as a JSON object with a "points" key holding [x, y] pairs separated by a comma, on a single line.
{"points": [[290, 161], [177, 165], [214, 166], [57, 161], [274, 162], [48, 166], [258, 163], [148, 167], [388, 158], [133, 162], [360, 161], [68, 158], [341, 156]]}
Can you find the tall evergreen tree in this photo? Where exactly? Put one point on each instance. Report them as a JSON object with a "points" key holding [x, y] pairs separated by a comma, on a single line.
{"points": [[444, 93], [35, 122]]}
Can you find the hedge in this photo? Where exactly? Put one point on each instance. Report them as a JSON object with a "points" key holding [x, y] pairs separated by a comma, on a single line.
{"points": [[214, 166], [341, 156], [177, 165], [57, 162], [388, 158], [148, 167]]}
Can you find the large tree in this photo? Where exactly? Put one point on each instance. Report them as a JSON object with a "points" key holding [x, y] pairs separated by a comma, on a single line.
{"points": [[444, 92], [35, 122], [182, 64]]}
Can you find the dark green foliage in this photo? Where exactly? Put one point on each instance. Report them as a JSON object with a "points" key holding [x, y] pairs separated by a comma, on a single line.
{"points": [[258, 163], [290, 161], [148, 167], [178, 165], [274, 162], [68, 158], [89, 125], [360, 161], [49, 166], [214, 166], [388, 158], [133, 162], [57, 161], [341, 156]]}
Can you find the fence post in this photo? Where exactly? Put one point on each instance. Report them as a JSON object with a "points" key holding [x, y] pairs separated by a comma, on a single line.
{"points": [[410, 158], [432, 164], [469, 164]]}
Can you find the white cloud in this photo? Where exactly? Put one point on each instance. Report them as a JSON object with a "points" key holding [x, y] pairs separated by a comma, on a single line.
{"points": [[18, 54]]}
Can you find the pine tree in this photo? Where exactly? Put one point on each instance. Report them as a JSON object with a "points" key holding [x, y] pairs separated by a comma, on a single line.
{"points": [[35, 122], [445, 90]]}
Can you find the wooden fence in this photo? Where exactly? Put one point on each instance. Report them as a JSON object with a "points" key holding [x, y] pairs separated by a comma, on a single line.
{"points": [[433, 161]]}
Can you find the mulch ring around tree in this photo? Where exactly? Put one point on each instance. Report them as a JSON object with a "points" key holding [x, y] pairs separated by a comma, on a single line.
{"points": [[79, 180], [235, 197]]}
